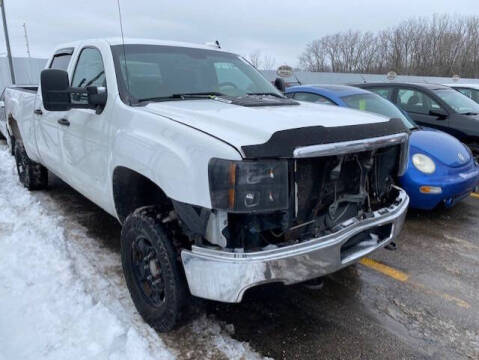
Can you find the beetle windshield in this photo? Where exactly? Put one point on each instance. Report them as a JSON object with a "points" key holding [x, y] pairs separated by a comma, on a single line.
{"points": [[460, 103], [376, 104], [157, 72]]}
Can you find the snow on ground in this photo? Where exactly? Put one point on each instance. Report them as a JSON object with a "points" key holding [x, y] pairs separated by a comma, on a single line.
{"points": [[62, 294]]}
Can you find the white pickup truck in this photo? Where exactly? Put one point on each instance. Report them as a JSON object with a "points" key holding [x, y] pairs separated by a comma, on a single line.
{"points": [[219, 181]]}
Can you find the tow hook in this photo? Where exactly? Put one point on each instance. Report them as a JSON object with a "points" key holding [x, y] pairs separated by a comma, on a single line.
{"points": [[391, 246], [314, 284]]}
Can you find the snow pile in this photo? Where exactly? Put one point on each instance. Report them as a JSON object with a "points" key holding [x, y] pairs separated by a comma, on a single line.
{"points": [[45, 311], [63, 296]]}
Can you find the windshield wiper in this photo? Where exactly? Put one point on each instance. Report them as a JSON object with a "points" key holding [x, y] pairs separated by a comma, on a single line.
{"points": [[268, 93], [469, 113], [184, 96]]}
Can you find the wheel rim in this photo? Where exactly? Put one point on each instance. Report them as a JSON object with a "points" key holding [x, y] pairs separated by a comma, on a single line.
{"points": [[147, 271]]}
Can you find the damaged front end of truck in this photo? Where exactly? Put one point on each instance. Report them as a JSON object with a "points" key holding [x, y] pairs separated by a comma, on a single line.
{"points": [[307, 203]]}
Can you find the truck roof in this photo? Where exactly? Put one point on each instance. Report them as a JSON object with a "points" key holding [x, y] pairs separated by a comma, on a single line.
{"points": [[120, 41]]}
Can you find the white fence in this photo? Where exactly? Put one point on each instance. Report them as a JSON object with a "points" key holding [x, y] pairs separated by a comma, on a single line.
{"points": [[306, 77], [27, 71]]}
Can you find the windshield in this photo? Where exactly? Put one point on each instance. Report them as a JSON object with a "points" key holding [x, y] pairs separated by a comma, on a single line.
{"points": [[157, 71], [378, 105], [458, 102]]}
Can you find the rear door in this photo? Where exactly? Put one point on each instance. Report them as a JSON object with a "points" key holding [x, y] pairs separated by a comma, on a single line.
{"points": [[46, 122], [418, 105]]}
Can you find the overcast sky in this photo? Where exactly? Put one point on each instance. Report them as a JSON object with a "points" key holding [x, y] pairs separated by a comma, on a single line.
{"points": [[277, 28]]}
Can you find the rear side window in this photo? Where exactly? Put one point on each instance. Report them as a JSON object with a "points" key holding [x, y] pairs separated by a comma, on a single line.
{"points": [[61, 62], [314, 98]]}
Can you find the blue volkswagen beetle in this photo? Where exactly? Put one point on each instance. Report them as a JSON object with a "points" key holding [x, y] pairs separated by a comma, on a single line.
{"points": [[441, 169]]}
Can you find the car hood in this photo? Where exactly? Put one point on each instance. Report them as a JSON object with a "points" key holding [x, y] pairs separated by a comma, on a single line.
{"points": [[242, 126], [440, 146]]}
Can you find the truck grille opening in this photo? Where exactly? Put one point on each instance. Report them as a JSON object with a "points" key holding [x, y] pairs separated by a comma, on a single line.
{"points": [[325, 192], [365, 239]]}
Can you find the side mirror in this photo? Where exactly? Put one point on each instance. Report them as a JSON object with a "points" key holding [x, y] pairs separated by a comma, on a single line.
{"points": [[280, 84], [54, 84], [96, 96], [57, 93], [440, 113]]}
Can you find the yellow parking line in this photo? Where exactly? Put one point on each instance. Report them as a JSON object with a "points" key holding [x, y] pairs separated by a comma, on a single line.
{"points": [[386, 270], [450, 298], [403, 277], [465, 243], [475, 195]]}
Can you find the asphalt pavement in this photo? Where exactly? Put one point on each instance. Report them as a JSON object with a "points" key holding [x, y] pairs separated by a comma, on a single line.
{"points": [[420, 301]]}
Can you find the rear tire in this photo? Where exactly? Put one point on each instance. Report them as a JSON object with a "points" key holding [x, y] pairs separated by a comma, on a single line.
{"points": [[32, 175], [151, 268], [11, 145]]}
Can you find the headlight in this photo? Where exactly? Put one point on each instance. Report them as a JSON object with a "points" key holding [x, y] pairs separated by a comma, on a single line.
{"points": [[424, 163], [248, 186]]}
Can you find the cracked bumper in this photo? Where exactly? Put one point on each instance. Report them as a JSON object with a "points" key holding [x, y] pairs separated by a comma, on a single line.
{"points": [[225, 276]]}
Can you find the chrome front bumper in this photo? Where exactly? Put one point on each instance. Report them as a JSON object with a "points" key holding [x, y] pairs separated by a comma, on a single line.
{"points": [[225, 276]]}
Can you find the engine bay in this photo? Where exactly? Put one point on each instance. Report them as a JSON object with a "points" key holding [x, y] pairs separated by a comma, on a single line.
{"points": [[324, 193]]}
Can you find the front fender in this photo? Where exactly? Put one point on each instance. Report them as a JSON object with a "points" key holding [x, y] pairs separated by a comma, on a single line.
{"points": [[172, 155]]}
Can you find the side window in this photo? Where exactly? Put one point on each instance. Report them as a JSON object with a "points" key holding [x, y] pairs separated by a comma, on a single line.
{"points": [[89, 71], [416, 101], [314, 98], [61, 62], [386, 93]]}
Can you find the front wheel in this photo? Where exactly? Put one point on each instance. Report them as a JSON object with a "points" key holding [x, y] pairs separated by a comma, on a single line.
{"points": [[151, 268], [32, 175]]}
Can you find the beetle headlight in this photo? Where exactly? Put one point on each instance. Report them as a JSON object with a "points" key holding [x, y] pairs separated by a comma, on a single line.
{"points": [[248, 186], [424, 163]]}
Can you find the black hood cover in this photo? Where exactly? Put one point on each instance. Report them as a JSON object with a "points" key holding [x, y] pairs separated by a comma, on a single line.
{"points": [[283, 143]]}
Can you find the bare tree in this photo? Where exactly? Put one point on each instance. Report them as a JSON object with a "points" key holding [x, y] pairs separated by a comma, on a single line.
{"points": [[268, 62], [442, 45], [255, 58], [260, 61]]}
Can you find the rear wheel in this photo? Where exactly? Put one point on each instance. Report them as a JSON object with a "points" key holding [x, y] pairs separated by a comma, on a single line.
{"points": [[32, 175], [152, 271]]}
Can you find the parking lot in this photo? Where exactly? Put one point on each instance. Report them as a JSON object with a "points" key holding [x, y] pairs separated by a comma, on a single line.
{"points": [[420, 301]]}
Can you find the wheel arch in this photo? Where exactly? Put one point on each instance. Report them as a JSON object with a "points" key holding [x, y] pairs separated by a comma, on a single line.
{"points": [[132, 190]]}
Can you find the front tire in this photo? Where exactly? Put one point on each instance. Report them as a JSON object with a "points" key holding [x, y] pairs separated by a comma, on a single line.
{"points": [[32, 175], [151, 268]]}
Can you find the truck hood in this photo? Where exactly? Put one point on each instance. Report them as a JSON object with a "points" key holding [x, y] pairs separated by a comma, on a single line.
{"points": [[242, 126]]}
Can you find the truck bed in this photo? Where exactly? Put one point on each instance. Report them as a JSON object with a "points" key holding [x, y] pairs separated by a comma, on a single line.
{"points": [[19, 105]]}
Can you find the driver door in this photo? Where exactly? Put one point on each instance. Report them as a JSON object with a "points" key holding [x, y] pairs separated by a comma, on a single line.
{"points": [[418, 105], [84, 132]]}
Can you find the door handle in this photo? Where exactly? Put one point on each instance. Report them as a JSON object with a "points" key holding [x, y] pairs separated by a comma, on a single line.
{"points": [[38, 111], [64, 122]]}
